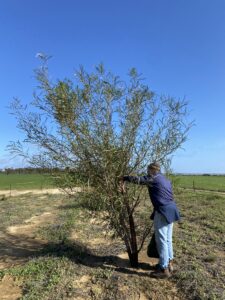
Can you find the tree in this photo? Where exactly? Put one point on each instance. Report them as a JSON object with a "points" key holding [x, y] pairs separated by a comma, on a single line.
{"points": [[98, 128]]}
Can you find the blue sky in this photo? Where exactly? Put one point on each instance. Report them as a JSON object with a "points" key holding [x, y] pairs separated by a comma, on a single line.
{"points": [[178, 45]]}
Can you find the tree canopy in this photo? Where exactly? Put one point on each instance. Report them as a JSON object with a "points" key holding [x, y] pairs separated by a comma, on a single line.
{"points": [[99, 127]]}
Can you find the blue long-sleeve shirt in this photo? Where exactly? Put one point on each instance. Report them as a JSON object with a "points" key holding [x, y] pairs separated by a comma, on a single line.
{"points": [[161, 194]]}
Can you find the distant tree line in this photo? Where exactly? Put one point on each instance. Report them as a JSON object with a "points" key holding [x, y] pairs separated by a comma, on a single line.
{"points": [[30, 170]]}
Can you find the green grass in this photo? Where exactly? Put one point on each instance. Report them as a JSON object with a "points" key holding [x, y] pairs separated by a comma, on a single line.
{"points": [[44, 278], [213, 183], [25, 181], [199, 245], [39, 181]]}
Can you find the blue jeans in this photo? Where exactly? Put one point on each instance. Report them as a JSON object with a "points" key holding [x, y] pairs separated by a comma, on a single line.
{"points": [[163, 237]]}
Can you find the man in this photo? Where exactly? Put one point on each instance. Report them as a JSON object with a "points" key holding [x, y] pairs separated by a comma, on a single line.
{"points": [[164, 214]]}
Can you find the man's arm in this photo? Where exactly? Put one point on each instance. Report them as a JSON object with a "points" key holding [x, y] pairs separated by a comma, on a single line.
{"points": [[142, 180]]}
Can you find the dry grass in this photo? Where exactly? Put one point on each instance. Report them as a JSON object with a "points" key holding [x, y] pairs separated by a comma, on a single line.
{"points": [[79, 260]]}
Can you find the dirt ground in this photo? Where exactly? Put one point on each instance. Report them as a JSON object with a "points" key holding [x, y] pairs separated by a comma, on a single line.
{"points": [[17, 247], [13, 193], [19, 244]]}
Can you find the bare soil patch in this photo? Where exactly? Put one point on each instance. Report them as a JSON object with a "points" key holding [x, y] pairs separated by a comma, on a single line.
{"points": [[19, 242], [9, 290], [14, 193]]}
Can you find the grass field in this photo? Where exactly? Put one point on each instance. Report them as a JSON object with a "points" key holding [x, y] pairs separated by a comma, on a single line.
{"points": [[24, 181], [213, 182], [199, 243], [72, 256], [37, 181]]}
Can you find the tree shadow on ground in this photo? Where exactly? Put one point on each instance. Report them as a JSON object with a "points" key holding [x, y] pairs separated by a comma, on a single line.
{"points": [[80, 254], [17, 249]]}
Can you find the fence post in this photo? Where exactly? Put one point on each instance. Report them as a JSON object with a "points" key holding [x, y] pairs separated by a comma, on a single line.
{"points": [[194, 185]]}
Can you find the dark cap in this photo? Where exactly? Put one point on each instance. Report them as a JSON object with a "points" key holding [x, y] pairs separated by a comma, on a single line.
{"points": [[155, 166]]}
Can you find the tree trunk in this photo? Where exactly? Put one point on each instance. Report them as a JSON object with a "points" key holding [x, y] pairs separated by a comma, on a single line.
{"points": [[130, 240], [133, 254], [132, 250], [133, 257]]}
